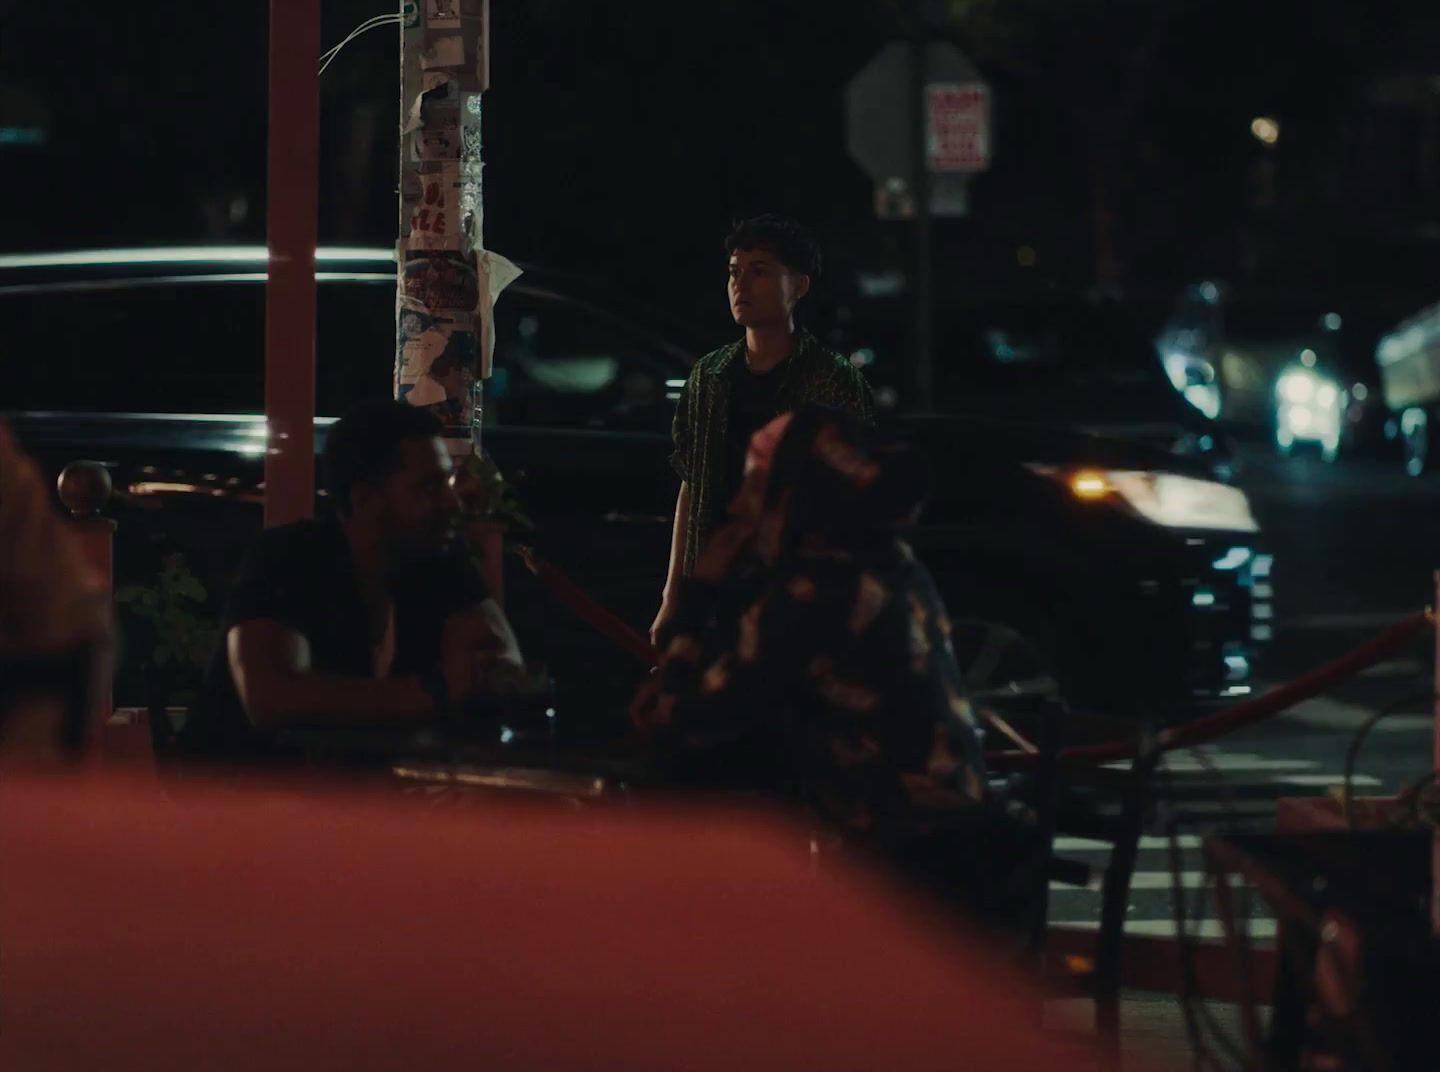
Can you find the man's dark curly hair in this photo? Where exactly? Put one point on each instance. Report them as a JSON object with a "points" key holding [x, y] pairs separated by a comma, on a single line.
{"points": [[790, 242], [363, 446]]}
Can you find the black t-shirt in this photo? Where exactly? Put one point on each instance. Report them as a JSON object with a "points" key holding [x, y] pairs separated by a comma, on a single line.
{"points": [[302, 575], [753, 405]]}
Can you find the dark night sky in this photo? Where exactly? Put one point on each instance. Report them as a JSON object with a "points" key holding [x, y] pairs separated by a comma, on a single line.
{"points": [[622, 138]]}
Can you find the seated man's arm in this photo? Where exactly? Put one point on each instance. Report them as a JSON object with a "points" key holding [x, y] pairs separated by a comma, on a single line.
{"points": [[270, 663], [485, 631]]}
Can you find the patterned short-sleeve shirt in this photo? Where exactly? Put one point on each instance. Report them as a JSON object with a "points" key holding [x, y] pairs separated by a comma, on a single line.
{"points": [[701, 433]]}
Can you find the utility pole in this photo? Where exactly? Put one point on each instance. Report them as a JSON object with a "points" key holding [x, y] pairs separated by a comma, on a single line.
{"points": [[444, 293]]}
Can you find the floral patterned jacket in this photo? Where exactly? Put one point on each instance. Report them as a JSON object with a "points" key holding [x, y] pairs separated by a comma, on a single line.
{"points": [[847, 668]]}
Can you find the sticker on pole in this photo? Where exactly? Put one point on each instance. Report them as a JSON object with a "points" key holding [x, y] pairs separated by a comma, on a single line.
{"points": [[435, 221], [436, 362], [442, 14], [443, 52], [441, 283], [958, 127]]}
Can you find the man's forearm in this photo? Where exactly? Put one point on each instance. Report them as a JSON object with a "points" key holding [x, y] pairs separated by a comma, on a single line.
{"points": [[677, 539]]}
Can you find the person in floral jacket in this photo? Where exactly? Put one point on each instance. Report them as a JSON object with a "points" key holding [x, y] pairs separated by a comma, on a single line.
{"points": [[836, 685]]}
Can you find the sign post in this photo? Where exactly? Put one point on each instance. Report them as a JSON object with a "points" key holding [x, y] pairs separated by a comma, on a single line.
{"points": [[917, 119], [920, 170]]}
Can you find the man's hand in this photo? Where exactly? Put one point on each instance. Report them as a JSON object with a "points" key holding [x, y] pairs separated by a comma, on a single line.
{"points": [[474, 642], [458, 661], [652, 708]]}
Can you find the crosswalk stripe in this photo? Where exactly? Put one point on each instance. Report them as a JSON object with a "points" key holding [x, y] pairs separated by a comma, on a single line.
{"points": [[1371, 620], [1326, 780], [1147, 880], [1237, 765], [1257, 929], [1162, 880], [1082, 844], [1226, 763]]}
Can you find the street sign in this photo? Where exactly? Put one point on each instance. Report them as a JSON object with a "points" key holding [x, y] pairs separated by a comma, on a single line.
{"points": [[958, 127], [880, 114], [917, 119], [949, 196]]}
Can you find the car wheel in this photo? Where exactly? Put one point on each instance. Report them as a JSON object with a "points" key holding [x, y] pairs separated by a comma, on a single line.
{"points": [[1415, 436], [1009, 676]]}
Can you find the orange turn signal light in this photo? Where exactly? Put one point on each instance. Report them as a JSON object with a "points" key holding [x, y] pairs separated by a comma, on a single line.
{"points": [[1090, 484]]}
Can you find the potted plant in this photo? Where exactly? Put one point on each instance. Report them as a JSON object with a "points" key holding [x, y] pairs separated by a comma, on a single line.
{"points": [[171, 633], [488, 509]]}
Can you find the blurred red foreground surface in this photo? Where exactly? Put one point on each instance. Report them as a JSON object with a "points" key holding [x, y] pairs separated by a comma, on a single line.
{"points": [[276, 928]]}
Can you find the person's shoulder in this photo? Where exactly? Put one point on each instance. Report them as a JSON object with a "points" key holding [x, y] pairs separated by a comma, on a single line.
{"points": [[308, 533], [823, 361], [717, 360], [300, 542]]}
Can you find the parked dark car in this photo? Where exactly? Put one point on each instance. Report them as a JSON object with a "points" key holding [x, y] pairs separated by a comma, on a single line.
{"points": [[1086, 364], [1104, 572], [1052, 360]]}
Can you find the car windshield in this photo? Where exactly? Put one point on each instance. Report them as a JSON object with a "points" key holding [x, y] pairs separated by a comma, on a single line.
{"points": [[1054, 347], [191, 345]]}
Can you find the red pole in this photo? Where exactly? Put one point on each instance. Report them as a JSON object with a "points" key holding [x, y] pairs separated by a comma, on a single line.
{"points": [[291, 204]]}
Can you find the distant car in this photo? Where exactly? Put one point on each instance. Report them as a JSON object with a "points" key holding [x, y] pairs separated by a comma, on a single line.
{"points": [[1310, 407], [1302, 372], [1056, 358], [1094, 571], [1190, 343], [1408, 357]]}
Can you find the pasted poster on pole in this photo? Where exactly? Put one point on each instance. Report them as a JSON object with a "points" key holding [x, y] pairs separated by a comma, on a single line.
{"points": [[436, 345], [437, 359], [443, 52], [496, 273], [445, 327], [958, 126], [435, 222]]}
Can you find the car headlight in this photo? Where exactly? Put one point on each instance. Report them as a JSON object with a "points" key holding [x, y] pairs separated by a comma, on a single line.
{"points": [[1167, 499], [1300, 386], [1296, 386]]}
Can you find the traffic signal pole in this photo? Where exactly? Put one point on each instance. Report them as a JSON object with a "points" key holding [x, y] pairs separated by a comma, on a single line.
{"points": [[924, 290]]}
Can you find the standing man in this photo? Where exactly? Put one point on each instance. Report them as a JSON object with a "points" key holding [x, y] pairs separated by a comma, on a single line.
{"points": [[738, 389]]}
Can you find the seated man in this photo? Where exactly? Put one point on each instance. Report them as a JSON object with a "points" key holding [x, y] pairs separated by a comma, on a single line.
{"points": [[839, 684], [375, 616]]}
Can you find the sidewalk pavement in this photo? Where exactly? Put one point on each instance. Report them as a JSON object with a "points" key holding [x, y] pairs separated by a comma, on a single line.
{"points": [[1152, 1027]]}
